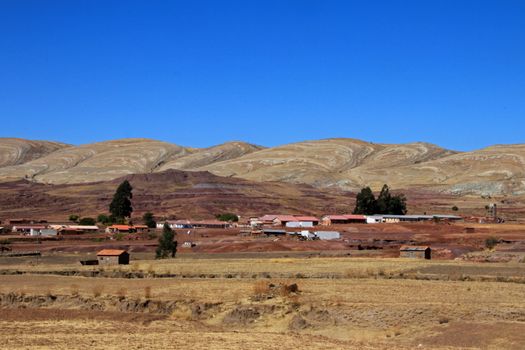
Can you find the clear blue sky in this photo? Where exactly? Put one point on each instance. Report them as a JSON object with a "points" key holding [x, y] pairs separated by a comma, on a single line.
{"points": [[199, 73]]}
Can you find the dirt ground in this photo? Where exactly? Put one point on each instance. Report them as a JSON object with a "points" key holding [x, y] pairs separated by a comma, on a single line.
{"points": [[264, 303]]}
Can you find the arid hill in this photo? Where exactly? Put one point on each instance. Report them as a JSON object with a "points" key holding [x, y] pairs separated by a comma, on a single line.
{"points": [[195, 195], [346, 164], [15, 151]]}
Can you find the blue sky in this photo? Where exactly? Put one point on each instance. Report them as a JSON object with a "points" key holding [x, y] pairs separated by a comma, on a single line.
{"points": [[199, 73]]}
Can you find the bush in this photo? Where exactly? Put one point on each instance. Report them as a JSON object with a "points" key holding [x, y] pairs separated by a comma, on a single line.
{"points": [[491, 242], [104, 219], [147, 292], [87, 221], [227, 217], [455, 208], [73, 218], [149, 220], [97, 291]]}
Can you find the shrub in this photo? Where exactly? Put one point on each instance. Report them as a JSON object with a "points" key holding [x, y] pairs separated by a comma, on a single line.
{"points": [[227, 217], [97, 291], [74, 290], [104, 219], [149, 220], [87, 221], [261, 287], [73, 218], [455, 208], [491, 242]]}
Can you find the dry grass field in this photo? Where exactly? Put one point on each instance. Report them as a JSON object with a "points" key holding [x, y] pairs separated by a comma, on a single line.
{"points": [[272, 303]]}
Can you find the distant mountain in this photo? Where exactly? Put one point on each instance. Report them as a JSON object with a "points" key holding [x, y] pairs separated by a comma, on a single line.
{"points": [[345, 164]]}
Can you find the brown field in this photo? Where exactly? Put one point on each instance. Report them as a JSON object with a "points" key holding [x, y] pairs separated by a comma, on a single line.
{"points": [[250, 303]]}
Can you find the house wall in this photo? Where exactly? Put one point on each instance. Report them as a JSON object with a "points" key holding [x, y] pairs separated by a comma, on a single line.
{"points": [[108, 260], [416, 254]]}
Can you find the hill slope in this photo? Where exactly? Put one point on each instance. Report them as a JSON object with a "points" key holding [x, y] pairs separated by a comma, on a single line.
{"points": [[15, 151], [346, 164]]}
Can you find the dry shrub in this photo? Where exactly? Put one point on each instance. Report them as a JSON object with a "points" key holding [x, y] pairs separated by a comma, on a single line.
{"points": [[74, 289], [147, 292], [97, 290], [261, 287], [121, 292], [286, 290]]}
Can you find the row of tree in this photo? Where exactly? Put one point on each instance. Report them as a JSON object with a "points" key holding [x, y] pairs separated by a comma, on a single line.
{"points": [[386, 203]]}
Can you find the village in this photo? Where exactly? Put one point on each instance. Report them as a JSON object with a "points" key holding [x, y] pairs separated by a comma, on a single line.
{"points": [[406, 236]]}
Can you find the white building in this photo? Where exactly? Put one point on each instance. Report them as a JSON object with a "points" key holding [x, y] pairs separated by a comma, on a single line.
{"points": [[327, 235]]}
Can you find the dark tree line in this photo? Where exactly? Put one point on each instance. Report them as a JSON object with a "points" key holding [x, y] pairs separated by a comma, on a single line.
{"points": [[386, 203]]}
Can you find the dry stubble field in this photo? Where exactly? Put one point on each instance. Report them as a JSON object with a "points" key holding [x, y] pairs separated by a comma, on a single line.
{"points": [[251, 303]]}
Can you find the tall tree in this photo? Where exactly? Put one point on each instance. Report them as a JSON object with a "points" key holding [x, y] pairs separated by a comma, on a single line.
{"points": [[167, 244], [384, 200], [398, 205], [365, 202], [120, 206]]}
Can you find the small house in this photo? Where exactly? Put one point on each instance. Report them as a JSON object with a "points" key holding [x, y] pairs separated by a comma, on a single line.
{"points": [[328, 220], [43, 232], [283, 220], [113, 257], [120, 229], [418, 252], [33, 230]]}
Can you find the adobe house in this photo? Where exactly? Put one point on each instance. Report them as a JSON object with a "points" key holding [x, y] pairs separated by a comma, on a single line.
{"points": [[113, 257], [418, 252]]}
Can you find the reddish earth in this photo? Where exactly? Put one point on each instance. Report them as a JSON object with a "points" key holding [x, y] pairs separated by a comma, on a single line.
{"points": [[201, 195]]}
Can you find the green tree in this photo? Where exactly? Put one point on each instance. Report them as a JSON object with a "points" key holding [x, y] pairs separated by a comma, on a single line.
{"points": [[227, 217], [167, 244], [73, 218], [149, 220], [104, 219], [384, 201], [398, 205], [365, 202], [120, 206], [87, 221]]}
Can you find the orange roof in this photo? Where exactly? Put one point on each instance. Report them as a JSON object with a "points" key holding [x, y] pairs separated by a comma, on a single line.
{"points": [[140, 226], [110, 252], [121, 227], [306, 218]]}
